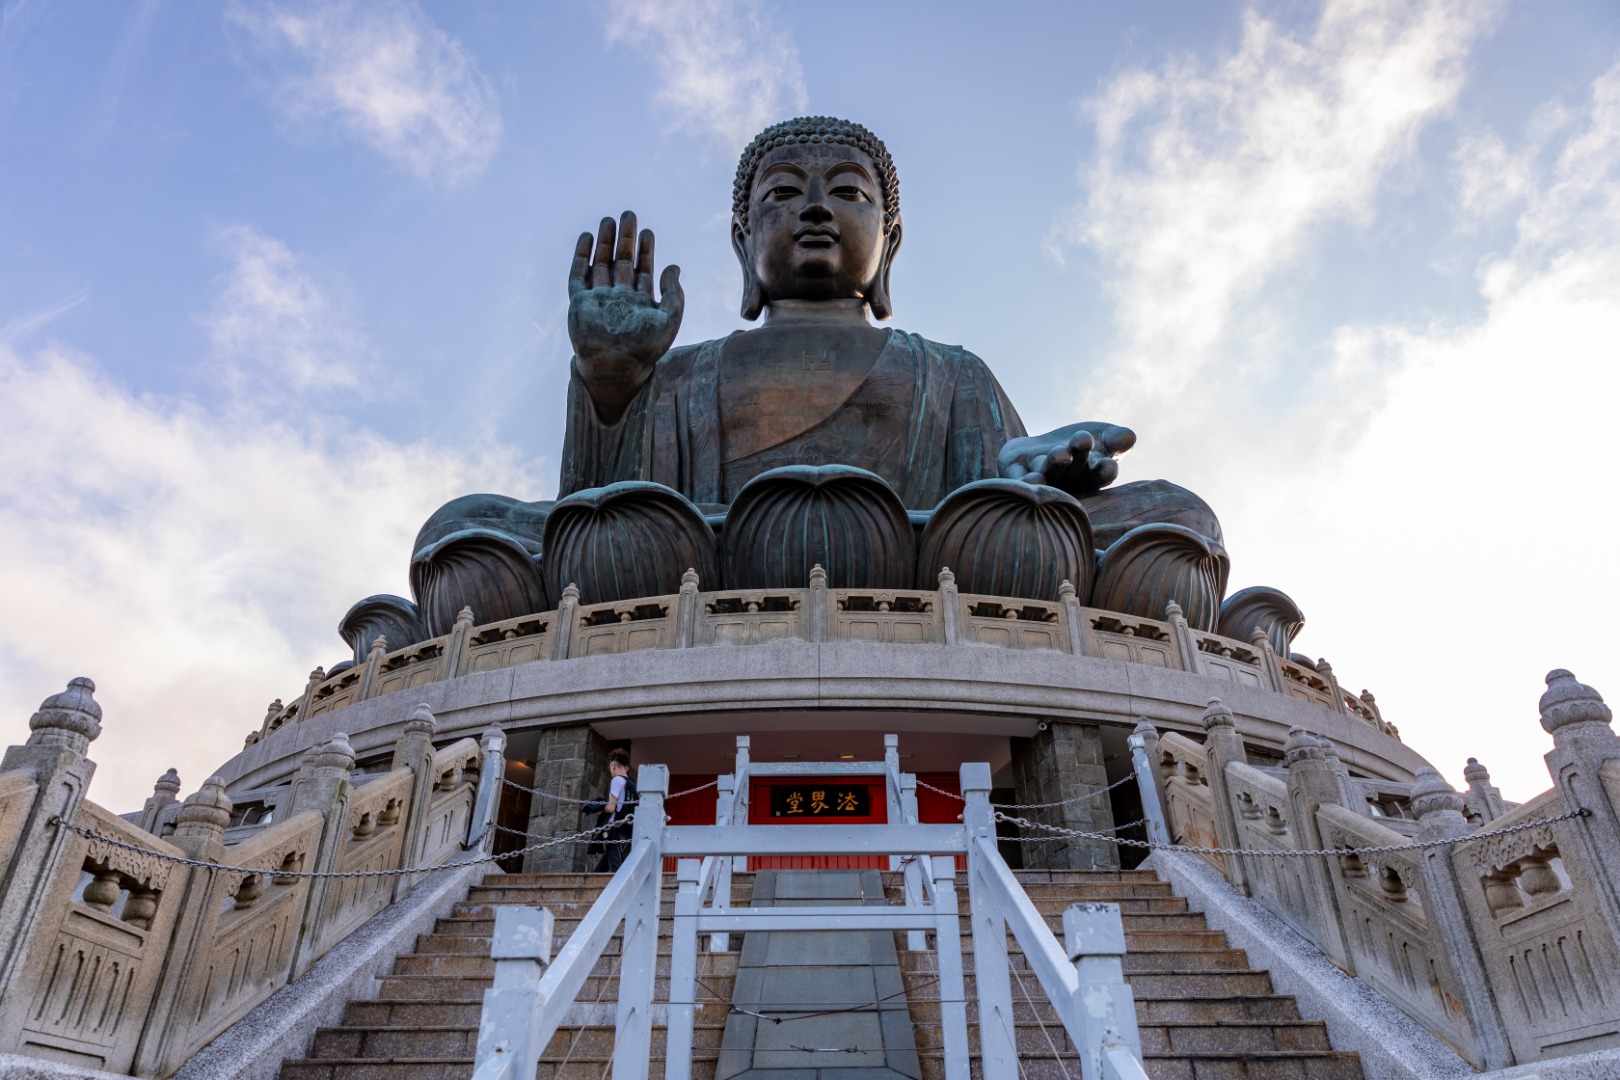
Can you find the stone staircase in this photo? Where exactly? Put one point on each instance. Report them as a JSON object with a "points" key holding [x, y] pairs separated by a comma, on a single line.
{"points": [[1204, 1014]]}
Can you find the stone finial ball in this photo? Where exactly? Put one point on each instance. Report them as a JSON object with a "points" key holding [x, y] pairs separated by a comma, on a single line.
{"points": [[1569, 702]]}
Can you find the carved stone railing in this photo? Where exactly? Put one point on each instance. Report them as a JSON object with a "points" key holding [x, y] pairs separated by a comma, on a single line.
{"points": [[116, 957], [1505, 944], [694, 619]]}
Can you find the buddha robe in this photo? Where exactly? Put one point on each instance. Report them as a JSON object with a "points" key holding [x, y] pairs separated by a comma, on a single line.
{"points": [[927, 418]]}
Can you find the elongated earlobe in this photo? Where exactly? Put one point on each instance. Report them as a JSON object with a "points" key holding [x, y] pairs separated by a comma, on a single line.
{"points": [[877, 297], [753, 299]]}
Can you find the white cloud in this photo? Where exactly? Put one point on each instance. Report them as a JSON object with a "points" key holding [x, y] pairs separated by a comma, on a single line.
{"points": [[274, 326], [1210, 177], [726, 68], [194, 560], [1463, 544], [382, 73]]}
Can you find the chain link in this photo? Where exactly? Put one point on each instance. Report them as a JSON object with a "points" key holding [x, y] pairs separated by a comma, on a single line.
{"points": [[204, 864], [1386, 849]]}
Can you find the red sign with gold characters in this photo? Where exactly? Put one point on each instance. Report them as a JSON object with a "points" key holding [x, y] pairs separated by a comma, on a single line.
{"points": [[820, 799]]}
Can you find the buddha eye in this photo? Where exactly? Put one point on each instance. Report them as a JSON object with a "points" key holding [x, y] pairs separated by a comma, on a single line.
{"points": [[850, 192], [782, 191]]}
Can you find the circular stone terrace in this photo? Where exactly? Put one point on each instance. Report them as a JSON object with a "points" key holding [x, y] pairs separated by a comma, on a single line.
{"points": [[941, 663]]}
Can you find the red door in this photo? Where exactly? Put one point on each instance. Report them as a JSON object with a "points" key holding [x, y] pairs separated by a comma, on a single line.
{"points": [[828, 800]]}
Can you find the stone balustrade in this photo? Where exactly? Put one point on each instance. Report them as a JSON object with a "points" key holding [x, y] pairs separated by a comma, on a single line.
{"points": [[694, 619], [121, 960], [1507, 946]]}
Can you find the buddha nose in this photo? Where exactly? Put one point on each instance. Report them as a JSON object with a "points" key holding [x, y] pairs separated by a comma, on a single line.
{"points": [[815, 210]]}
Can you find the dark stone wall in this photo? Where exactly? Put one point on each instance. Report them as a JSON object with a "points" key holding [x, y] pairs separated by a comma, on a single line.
{"points": [[570, 761], [1063, 762]]}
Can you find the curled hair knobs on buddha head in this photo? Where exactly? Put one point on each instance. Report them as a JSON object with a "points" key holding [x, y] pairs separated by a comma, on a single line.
{"points": [[817, 129]]}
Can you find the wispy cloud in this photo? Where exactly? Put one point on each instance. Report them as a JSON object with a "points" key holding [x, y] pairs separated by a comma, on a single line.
{"points": [[381, 73], [274, 326], [1470, 517], [726, 68], [192, 558], [1209, 177]]}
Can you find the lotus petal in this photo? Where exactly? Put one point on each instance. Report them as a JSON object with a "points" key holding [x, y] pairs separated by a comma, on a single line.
{"points": [[1154, 564], [1008, 538], [392, 617], [788, 520], [488, 571], [625, 541], [1262, 608]]}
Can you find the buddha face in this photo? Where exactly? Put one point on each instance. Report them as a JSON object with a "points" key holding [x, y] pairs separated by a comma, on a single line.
{"points": [[815, 226]]}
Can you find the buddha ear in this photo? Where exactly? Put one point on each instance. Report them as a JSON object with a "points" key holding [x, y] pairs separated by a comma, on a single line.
{"points": [[753, 301], [877, 297]]}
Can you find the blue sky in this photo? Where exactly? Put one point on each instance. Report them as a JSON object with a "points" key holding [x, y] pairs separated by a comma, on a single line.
{"points": [[277, 279]]}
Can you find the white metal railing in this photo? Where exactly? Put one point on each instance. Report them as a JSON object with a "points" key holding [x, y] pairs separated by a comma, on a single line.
{"points": [[1082, 977]]}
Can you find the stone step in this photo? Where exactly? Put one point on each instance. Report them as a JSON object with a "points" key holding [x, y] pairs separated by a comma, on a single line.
{"points": [[371, 1012], [1216, 959], [578, 1067], [482, 967], [1325, 1065], [1033, 1035], [1155, 985], [425, 1042], [1232, 1009]]}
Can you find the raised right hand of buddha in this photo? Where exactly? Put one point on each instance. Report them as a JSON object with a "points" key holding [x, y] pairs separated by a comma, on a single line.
{"points": [[618, 330]]}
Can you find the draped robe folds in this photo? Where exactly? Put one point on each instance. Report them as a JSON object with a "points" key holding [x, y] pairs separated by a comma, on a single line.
{"points": [[927, 418]]}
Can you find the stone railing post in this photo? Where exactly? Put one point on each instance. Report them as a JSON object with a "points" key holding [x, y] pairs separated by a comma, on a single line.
{"points": [[1484, 799], [165, 793], [820, 604], [1439, 811], [1349, 791], [199, 831], [61, 733], [455, 649], [1312, 784], [1144, 744], [372, 667], [687, 608], [491, 781], [414, 751], [326, 790], [307, 699], [950, 607], [1268, 659], [270, 713], [1325, 669], [1074, 620], [562, 630], [1186, 646], [638, 951], [1583, 742], [1223, 745]]}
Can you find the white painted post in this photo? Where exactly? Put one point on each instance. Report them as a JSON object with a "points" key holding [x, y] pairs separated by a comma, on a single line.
{"points": [[952, 987], [682, 973], [639, 951], [1147, 786], [1094, 939], [740, 806], [998, 1049], [916, 889], [891, 789], [724, 809], [521, 949]]}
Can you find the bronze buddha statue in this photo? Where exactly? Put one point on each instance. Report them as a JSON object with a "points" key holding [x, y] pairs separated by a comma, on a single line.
{"points": [[860, 448]]}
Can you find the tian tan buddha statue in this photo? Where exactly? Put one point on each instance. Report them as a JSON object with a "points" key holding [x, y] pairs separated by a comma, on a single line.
{"points": [[814, 438]]}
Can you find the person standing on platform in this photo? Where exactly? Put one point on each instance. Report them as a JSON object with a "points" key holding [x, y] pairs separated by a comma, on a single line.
{"points": [[621, 797]]}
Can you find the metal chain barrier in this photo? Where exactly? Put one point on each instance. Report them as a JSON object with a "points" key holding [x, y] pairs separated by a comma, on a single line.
{"points": [[1121, 782], [113, 841], [1386, 849], [581, 802]]}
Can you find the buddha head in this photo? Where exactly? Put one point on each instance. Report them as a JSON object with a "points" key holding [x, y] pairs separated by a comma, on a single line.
{"points": [[815, 215]]}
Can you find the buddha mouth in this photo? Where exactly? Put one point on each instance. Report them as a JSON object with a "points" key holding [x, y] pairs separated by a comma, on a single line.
{"points": [[816, 236]]}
